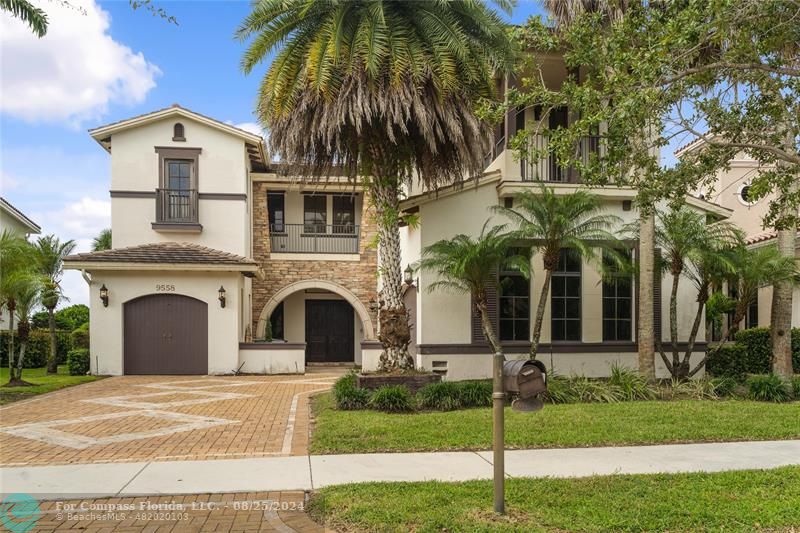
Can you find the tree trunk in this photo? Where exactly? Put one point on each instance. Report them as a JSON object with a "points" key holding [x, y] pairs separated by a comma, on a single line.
{"points": [[645, 326], [537, 325], [486, 323], [677, 368], [393, 329], [11, 306], [702, 298], [781, 330], [52, 361]]}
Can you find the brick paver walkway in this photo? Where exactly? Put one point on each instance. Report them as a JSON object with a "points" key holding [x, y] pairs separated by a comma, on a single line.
{"points": [[266, 511], [141, 418]]}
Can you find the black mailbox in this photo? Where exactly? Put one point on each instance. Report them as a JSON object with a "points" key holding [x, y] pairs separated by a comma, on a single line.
{"points": [[528, 379]]}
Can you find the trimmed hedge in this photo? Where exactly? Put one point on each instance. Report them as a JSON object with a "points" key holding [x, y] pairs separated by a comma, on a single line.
{"points": [[80, 336], [38, 349], [78, 362], [750, 354], [392, 399]]}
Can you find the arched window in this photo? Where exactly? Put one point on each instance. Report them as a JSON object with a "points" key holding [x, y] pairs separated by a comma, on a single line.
{"points": [[177, 132]]}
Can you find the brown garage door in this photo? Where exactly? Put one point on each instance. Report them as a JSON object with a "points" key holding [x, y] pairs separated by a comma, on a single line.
{"points": [[166, 334]]}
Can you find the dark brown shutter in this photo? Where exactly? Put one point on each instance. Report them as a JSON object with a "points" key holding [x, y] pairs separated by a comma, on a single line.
{"points": [[657, 279], [491, 302]]}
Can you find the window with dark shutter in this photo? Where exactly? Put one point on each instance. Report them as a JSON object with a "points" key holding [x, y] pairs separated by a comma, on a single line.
{"points": [[657, 296], [491, 303]]}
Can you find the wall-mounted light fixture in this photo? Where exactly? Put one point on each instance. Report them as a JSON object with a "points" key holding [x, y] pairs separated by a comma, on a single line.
{"points": [[408, 276], [104, 295], [221, 296]]}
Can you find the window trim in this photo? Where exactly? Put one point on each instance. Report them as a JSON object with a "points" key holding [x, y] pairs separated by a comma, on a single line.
{"points": [[269, 222], [175, 136], [324, 224], [187, 154], [343, 228]]}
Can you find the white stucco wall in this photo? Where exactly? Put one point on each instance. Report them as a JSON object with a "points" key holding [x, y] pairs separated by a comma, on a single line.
{"points": [[221, 168], [106, 323]]}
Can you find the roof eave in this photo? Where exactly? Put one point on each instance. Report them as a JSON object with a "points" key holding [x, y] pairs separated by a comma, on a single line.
{"points": [[134, 266]]}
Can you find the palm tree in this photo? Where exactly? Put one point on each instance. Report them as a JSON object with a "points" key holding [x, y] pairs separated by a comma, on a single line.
{"points": [[553, 222], [385, 89], [28, 297], [468, 265], [17, 259], [701, 252], [50, 253], [28, 13], [102, 241]]}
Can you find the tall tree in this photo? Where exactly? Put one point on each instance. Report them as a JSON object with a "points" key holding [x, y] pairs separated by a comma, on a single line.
{"points": [[102, 241], [50, 253], [28, 13], [17, 288], [552, 221], [469, 265], [384, 89]]}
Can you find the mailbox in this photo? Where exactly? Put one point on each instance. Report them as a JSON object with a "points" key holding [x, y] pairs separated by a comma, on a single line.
{"points": [[527, 379]]}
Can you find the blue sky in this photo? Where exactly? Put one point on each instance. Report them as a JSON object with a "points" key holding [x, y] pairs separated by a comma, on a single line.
{"points": [[101, 65]]}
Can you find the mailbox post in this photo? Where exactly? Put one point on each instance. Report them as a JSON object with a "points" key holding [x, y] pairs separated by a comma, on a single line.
{"points": [[527, 378]]}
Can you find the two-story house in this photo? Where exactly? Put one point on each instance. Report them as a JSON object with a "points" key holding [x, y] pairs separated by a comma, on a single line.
{"points": [[12, 220], [220, 262], [588, 324]]}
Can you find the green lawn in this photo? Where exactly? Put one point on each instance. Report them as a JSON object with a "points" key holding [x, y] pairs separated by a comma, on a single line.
{"points": [[44, 383], [748, 501], [556, 426]]}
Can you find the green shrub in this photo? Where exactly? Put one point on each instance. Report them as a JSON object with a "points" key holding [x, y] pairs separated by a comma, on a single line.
{"points": [[631, 384], [582, 389], [730, 361], [476, 393], [695, 389], [38, 349], [758, 350], [723, 387], [559, 390], [751, 354], [80, 336], [442, 396], [78, 362], [796, 387], [768, 388], [348, 395], [392, 399]]}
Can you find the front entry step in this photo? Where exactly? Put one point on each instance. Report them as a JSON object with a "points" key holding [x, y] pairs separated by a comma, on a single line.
{"points": [[329, 368]]}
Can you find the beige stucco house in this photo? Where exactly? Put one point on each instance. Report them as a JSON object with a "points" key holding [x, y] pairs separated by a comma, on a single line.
{"points": [[221, 262], [14, 221], [730, 189]]}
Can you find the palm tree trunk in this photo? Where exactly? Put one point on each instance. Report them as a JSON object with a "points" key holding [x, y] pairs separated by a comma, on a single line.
{"points": [[11, 308], [782, 311], [486, 324], [676, 370], [698, 319], [24, 330], [537, 325], [394, 331], [52, 363], [646, 326]]}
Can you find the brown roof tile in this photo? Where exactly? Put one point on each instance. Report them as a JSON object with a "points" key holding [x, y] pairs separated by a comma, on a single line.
{"points": [[163, 252]]}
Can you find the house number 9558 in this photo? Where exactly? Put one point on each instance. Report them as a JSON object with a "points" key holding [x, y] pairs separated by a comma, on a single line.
{"points": [[165, 288]]}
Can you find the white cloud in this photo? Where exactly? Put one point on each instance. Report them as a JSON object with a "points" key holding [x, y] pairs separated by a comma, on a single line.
{"points": [[74, 72], [85, 218], [252, 127]]}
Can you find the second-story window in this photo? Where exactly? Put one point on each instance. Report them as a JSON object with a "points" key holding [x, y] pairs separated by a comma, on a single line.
{"points": [[344, 214], [276, 207], [565, 312], [315, 213], [179, 190]]}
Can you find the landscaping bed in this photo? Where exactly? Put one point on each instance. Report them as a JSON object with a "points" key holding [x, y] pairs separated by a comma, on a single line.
{"points": [[556, 426], [729, 501], [43, 382]]}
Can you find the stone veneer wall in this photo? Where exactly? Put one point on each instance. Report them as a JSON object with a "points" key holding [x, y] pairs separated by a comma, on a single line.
{"points": [[360, 277]]}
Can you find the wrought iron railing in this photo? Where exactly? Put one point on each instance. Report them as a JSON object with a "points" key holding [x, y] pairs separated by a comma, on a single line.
{"points": [[176, 205], [314, 238], [546, 168]]}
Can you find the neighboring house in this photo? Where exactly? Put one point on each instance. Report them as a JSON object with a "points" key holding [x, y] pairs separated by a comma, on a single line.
{"points": [[730, 190], [588, 324], [211, 244], [15, 221]]}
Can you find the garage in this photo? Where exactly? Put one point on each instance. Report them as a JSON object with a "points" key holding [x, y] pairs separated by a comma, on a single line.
{"points": [[165, 334]]}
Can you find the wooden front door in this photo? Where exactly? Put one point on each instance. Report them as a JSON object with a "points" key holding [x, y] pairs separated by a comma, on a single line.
{"points": [[329, 331], [165, 334]]}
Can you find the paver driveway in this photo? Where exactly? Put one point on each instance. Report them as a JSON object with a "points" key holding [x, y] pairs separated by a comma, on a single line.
{"points": [[140, 418]]}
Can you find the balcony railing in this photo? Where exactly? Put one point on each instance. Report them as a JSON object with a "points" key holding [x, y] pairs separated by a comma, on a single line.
{"points": [[314, 238], [176, 205], [547, 167]]}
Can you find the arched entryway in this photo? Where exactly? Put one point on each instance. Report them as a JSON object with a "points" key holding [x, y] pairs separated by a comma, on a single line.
{"points": [[328, 318], [165, 334]]}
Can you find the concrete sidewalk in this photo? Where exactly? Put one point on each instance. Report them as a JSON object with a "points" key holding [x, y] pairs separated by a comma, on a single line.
{"points": [[313, 472]]}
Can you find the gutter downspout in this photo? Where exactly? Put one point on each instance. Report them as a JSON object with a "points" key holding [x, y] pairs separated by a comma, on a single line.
{"points": [[86, 277]]}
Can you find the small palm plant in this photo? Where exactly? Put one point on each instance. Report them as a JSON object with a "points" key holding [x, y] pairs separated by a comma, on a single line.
{"points": [[50, 253], [552, 222], [469, 265], [28, 297], [102, 241]]}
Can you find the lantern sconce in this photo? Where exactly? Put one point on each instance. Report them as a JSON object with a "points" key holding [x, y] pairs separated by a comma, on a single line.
{"points": [[104, 295], [408, 276], [221, 296]]}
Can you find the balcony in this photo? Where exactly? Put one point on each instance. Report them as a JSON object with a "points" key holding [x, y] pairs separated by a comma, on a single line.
{"points": [[176, 210], [547, 167], [314, 238]]}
